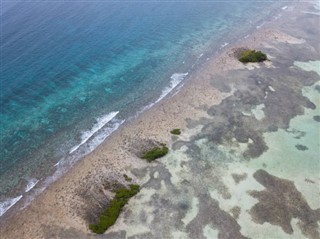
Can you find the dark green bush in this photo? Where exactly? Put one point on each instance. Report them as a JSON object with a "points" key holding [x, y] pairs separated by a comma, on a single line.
{"points": [[110, 215], [127, 178], [252, 56], [155, 153], [175, 131]]}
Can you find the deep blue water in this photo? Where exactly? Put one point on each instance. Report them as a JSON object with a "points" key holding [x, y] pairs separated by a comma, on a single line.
{"points": [[72, 72]]}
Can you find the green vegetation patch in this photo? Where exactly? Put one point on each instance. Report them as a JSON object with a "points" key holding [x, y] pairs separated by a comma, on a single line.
{"points": [[175, 131], [252, 56], [110, 215], [127, 178], [155, 153]]}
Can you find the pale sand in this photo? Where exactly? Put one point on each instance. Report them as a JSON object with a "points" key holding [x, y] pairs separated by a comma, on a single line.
{"points": [[62, 204]]}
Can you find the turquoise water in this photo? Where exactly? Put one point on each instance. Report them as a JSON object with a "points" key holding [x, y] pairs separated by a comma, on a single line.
{"points": [[72, 73]]}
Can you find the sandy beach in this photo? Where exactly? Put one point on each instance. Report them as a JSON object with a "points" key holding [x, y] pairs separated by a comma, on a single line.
{"points": [[66, 207]]}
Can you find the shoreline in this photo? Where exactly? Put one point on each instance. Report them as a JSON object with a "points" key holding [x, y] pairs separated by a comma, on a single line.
{"points": [[153, 124]]}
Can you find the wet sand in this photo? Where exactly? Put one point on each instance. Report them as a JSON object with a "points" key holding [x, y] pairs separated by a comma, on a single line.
{"points": [[230, 174]]}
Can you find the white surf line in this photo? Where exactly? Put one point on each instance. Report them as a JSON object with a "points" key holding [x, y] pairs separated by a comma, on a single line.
{"points": [[100, 123]]}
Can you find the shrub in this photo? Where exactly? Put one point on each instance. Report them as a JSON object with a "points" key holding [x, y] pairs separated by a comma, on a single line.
{"points": [[175, 131], [127, 178], [110, 215], [252, 56], [155, 153]]}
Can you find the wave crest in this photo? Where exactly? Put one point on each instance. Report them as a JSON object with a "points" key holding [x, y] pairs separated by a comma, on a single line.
{"points": [[6, 205], [100, 122]]}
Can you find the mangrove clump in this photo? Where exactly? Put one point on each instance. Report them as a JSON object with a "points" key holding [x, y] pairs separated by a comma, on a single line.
{"points": [[247, 56], [110, 215], [155, 153], [175, 131]]}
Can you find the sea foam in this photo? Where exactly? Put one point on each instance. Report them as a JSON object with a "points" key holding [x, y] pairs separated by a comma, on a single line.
{"points": [[224, 45], [100, 122], [176, 79], [6, 205], [97, 140], [32, 182]]}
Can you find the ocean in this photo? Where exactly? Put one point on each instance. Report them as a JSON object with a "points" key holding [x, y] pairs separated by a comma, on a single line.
{"points": [[73, 72]]}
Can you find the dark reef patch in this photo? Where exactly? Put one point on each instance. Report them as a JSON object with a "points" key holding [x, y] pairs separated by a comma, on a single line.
{"points": [[280, 202], [316, 118], [235, 211], [301, 147], [239, 177], [297, 133], [310, 105], [255, 149], [309, 180], [211, 214]]}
